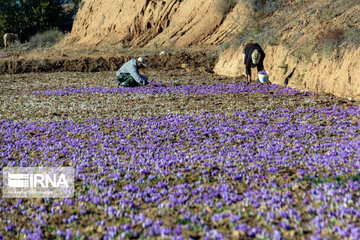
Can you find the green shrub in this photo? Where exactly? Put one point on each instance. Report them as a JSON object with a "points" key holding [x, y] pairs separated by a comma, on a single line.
{"points": [[274, 40], [225, 6], [333, 36], [305, 51], [45, 39], [224, 46], [234, 43], [264, 6], [256, 29], [92, 69], [330, 39], [270, 6], [352, 35], [328, 48], [284, 67]]}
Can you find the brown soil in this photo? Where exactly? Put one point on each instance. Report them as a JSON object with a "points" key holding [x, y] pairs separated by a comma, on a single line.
{"points": [[96, 61], [20, 105]]}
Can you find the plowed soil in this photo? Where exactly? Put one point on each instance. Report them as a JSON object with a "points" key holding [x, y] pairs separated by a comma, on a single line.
{"points": [[95, 61], [20, 104], [227, 209]]}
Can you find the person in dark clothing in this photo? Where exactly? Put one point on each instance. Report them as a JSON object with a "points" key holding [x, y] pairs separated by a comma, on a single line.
{"points": [[253, 56]]}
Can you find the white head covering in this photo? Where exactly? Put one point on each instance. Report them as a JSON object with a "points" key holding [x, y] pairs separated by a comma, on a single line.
{"points": [[255, 57], [142, 61]]}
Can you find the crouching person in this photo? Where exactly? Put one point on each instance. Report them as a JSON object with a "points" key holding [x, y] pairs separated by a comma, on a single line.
{"points": [[253, 56], [128, 75]]}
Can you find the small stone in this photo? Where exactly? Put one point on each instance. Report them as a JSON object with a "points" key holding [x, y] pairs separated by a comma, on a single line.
{"points": [[184, 65], [295, 187], [236, 235]]}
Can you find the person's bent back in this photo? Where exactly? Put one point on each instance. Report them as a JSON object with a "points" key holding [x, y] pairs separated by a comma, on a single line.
{"points": [[253, 57], [128, 74]]}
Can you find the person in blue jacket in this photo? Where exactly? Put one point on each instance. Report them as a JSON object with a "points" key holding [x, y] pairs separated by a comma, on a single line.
{"points": [[128, 74]]}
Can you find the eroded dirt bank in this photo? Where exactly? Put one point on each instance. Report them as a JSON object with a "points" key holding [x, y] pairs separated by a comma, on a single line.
{"points": [[14, 63]]}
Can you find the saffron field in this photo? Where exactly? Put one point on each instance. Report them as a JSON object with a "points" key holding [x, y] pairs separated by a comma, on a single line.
{"points": [[187, 157]]}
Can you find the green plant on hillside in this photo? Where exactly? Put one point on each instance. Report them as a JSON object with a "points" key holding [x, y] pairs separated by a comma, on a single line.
{"points": [[224, 46], [274, 40], [328, 48], [352, 36], [225, 6], [302, 77], [45, 39], [92, 69], [253, 29], [256, 29], [305, 51], [264, 7], [285, 67], [249, 33], [330, 39]]}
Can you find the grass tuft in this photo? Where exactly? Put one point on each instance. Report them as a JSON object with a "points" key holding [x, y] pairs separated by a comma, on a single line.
{"points": [[45, 39]]}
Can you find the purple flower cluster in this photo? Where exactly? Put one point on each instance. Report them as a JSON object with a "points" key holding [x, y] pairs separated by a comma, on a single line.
{"points": [[267, 174], [183, 89]]}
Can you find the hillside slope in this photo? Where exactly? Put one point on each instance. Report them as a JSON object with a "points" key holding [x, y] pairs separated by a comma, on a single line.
{"points": [[319, 38], [149, 23]]}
